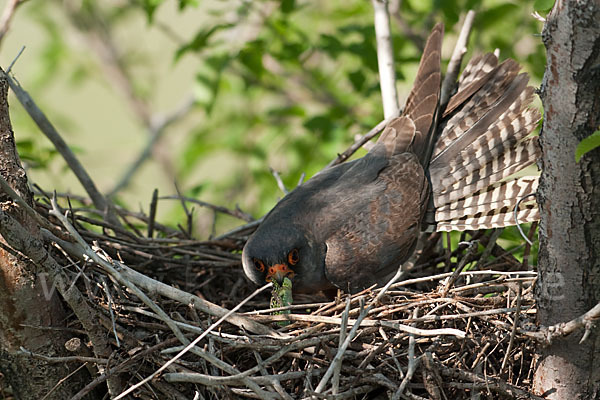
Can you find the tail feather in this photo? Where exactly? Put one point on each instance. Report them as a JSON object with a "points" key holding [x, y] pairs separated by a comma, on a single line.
{"points": [[476, 68], [429, 68], [479, 128], [501, 139], [501, 219], [510, 127], [476, 74], [508, 135], [476, 106], [498, 169], [495, 197], [484, 140]]}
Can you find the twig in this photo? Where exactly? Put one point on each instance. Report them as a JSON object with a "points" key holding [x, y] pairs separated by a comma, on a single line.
{"points": [[460, 50], [412, 362], [360, 142], [234, 213], [466, 259], [122, 367], [514, 328], [489, 247], [342, 349], [335, 382], [14, 61], [387, 324], [80, 359], [490, 383], [363, 313], [113, 270], [189, 214], [110, 309], [152, 216], [280, 183], [464, 273], [272, 381], [154, 286], [547, 334], [385, 58], [527, 250], [432, 379]]}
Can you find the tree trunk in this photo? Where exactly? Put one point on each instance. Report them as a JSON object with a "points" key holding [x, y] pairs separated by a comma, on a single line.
{"points": [[569, 197], [29, 311]]}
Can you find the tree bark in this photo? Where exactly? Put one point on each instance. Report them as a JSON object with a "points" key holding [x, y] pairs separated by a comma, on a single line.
{"points": [[29, 311], [569, 198]]}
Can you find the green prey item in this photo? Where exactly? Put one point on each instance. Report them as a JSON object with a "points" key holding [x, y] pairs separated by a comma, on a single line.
{"points": [[282, 297]]}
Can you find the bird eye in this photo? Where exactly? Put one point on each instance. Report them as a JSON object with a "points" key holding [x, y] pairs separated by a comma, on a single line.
{"points": [[293, 257], [259, 265]]}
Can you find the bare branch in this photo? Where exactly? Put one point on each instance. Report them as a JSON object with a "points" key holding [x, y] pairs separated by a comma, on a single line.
{"points": [[456, 59], [385, 58], [360, 142], [547, 334]]}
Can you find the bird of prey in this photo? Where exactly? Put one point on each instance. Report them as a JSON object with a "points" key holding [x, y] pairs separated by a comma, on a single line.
{"points": [[437, 168]]}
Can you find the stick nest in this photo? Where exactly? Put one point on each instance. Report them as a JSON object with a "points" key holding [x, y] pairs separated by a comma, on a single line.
{"points": [[435, 334]]}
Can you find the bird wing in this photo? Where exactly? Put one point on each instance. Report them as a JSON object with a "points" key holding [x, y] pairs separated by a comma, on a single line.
{"points": [[377, 237]]}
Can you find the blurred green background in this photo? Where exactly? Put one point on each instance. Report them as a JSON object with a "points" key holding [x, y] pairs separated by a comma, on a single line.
{"points": [[253, 85]]}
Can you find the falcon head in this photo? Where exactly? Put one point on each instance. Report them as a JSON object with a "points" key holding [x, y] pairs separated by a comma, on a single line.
{"points": [[276, 251]]}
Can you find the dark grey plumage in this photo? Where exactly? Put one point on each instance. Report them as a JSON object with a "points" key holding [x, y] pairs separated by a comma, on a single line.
{"points": [[352, 225]]}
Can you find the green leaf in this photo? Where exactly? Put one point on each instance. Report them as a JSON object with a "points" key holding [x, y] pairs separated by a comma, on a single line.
{"points": [[357, 78], [287, 6], [150, 7], [331, 45], [251, 57], [200, 41], [543, 5], [287, 111], [588, 144], [494, 15], [320, 124], [186, 3]]}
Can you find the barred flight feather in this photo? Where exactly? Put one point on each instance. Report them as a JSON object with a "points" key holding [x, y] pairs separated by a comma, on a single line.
{"points": [[477, 67], [477, 106], [489, 110], [500, 220], [503, 194], [511, 127], [478, 72], [521, 156], [486, 149]]}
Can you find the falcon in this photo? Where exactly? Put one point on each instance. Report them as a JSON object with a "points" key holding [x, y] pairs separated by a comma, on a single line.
{"points": [[432, 168]]}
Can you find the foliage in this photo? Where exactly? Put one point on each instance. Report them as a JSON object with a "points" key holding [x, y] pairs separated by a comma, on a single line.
{"points": [[586, 145]]}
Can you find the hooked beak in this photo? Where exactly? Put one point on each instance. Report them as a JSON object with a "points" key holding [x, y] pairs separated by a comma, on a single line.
{"points": [[279, 271]]}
